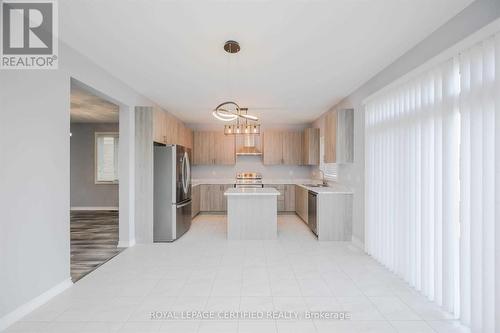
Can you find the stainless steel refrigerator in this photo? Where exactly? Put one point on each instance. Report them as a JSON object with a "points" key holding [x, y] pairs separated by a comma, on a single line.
{"points": [[172, 192]]}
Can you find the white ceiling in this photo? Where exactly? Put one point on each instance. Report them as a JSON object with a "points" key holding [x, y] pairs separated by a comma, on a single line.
{"points": [[89, 108], [297, 59]]}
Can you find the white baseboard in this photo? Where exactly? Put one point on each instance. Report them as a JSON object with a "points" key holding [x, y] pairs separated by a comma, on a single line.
{"points": [[358, 243], [26, 308], [126, 243], [94, 208]]}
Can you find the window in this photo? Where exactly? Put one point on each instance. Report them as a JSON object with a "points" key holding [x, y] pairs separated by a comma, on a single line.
{"points": [[106, 158], [329, 169]]}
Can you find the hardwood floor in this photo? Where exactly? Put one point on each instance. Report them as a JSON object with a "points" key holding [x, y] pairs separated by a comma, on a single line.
{"points": [[94, 240]]}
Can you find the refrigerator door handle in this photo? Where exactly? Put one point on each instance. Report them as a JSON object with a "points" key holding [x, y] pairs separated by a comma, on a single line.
{"points": [[183, 174], [183, 204], [188, 171]]}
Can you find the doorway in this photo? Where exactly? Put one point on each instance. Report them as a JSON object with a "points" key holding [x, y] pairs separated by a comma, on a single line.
{"points": [[94, 194]]}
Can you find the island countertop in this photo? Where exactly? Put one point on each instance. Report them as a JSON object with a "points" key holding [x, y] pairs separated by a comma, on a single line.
{"points": [[252, 191]]}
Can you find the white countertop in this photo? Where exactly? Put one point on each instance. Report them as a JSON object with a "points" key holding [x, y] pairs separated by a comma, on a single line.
{"points": [[251, 191], [333, 188]]}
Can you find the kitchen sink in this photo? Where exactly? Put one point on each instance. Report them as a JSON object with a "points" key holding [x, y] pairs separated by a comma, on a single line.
{"points": [[315, 185]]}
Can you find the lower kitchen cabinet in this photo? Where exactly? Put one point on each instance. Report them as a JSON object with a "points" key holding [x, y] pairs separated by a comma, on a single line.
{"points": [[286, 199], [212, 198], [289, 198], [195, 200], [301, 204]]}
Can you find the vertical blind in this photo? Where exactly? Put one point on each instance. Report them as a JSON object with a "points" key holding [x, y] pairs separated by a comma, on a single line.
{"points": [[480, 185], [432, 183]]}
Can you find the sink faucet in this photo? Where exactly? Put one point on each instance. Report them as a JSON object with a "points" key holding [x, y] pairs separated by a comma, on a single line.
{"points": [[323, 181]]}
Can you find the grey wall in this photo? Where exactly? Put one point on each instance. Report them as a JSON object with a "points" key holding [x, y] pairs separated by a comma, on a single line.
{"points": [[471, 19], [35, 175], [84, 191]]}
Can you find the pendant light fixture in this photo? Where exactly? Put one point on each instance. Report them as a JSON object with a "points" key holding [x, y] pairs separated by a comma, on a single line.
{"points": [[246, 127], [231, 111]]}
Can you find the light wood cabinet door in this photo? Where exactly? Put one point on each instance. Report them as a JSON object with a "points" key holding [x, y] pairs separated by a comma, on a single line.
{"points": [[298, 203], [301, 202], [188, 137], [311, 146], [216, 198], [204, 197], [195, 198], [185, 135], [273, 147], [171, 129], [203, 148], [212, 198], [292, 147], [159, 123], [345, 136], [224, 150], [339, 136], [289, 204], [330, 142]]}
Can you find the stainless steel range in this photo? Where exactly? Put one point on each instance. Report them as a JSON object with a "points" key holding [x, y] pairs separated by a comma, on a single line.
{"points": [[248, 179]]}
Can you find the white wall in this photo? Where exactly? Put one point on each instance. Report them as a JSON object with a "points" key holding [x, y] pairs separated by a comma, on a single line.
{"points": [[35, 178], [471, 19]]}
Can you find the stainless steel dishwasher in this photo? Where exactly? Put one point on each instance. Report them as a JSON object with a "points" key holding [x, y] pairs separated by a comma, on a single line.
{"points": [[312, 216]]}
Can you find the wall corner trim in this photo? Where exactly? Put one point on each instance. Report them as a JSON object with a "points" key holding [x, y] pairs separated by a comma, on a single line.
{"points": [[36, 302], [126, 243], [358, 243]]}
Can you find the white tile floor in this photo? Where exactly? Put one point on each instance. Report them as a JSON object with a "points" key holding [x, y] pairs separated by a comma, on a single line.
{"points": [[203, 271]]}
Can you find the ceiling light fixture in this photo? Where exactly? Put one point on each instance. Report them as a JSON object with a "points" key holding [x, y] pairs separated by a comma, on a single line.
{"points": [[230, 111]]}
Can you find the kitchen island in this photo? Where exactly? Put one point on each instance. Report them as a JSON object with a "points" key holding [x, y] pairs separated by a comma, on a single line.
{"points": [[252, 213]]}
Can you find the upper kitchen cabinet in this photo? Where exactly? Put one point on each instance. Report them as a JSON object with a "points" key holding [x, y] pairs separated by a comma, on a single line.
{"points": [[225, 153], [292, 147], [273, 147], [282, 147], [203, 150], [213, 148], [159, 130], [172, 129], [311, 146], [185, 135], [339, 136], [169, 130]]}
